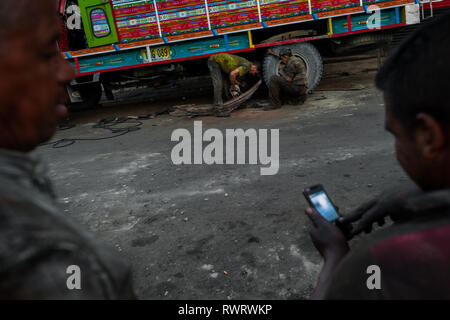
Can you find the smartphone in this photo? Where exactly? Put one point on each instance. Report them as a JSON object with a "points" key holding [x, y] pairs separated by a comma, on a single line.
{"points": [[319, 199]]}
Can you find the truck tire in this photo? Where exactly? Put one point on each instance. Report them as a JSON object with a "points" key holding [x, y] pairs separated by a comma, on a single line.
{"points": [[364, 42], [91, 95], [307, 52]]}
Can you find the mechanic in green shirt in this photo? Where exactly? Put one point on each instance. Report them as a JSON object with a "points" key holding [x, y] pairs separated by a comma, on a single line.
{"points": [[236, 69]]}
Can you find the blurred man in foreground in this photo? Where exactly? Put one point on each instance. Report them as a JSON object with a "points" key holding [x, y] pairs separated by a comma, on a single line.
{"points": [[412, 255], [39, 245]]}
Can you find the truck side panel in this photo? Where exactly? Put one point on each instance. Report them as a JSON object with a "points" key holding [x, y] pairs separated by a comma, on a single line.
{"points": [[177, 44], [142, 56], [358, 22], [177, 20]]}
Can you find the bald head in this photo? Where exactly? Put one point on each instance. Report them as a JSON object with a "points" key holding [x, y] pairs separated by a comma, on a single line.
{"points": [[33, 74], [17, 16]]}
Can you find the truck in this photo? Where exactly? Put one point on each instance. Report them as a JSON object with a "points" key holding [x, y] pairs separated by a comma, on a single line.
{"points": [[115, 44]]}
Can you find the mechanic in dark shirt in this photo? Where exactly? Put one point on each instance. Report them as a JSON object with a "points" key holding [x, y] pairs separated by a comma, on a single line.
{"points": [[291, 81], [41, 248], [410, 259]]}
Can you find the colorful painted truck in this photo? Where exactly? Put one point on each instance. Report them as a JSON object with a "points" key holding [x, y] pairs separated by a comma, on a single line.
{"points": [[125, 42]]}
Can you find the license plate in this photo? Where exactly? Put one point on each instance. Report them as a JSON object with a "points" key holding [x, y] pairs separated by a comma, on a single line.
{"points": [[160, 53]]}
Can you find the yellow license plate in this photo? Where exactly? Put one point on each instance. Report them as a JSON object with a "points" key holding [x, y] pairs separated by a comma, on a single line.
{"points": [[160, 53]]}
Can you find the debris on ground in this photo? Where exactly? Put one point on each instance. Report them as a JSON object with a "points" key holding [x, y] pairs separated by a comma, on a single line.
{"points": [[192, 110], [334, 87], [258, 104]]}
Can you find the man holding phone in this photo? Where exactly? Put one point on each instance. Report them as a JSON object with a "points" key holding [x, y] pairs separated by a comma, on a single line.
{"points": [[413, 254]]}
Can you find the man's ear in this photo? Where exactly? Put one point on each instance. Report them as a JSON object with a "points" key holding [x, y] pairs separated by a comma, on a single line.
{"points": [[430, 135]]}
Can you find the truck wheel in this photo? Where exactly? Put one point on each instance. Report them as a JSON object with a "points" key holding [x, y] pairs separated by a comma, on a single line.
{"points": [[91, 95], [309, 54], [363, 42]]}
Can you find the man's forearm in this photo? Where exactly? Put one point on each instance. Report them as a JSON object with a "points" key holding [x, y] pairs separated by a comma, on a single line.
{"points": [[233, 79], [325, 276], [285, 76], [270, 51]]}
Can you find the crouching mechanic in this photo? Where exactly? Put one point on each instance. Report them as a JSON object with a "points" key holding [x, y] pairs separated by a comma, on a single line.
{"points": [[409, 259], [43, 253], [291, 81], [236, 69]]}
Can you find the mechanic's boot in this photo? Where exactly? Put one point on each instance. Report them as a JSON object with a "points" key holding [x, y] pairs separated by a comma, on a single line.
{"points": [[220, 111], [259, 105], [302, 99], [222, 114], [295, 102], [271, 107]]}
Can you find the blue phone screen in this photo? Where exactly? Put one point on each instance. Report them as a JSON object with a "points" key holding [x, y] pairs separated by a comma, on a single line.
{"points": [[323, 204]]}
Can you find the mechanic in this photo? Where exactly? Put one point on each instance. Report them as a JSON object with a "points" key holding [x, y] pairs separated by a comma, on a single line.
{"points": [[291, 81], [237, 70]]}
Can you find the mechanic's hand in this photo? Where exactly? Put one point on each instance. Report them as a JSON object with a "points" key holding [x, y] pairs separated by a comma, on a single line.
{"points": [[378, 209], [270, 51], [235, 91], [326, 237], [282, 73]]}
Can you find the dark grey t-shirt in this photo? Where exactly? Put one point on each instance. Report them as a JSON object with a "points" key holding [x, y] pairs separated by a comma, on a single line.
{"points": [[38, 243]]}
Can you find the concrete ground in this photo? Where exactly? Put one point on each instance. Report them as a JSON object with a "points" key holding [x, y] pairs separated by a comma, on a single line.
{"points": [[226, 232]]}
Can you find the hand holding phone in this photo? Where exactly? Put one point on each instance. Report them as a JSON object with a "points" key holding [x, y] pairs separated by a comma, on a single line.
{"points": [[319, 200]]}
